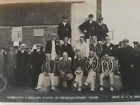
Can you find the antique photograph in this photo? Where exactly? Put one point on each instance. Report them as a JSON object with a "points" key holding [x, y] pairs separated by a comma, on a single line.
{"points": [[69, 51]]}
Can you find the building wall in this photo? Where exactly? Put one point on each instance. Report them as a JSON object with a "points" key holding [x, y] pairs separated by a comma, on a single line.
{"points": [[123, 17], [79, 14], [39, 14], [27, 35]]}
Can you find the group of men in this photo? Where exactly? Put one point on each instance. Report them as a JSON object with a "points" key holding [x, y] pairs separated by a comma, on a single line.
{"points": [[89, 58]]}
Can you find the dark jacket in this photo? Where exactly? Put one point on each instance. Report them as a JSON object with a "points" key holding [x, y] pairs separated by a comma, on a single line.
{"points": [[91, 29], [79, 63], [52, 67], [48, 47], [94, 65], [67, 48], [22, 59], [98, 49], [107, 65], [127, 55], [64, 31], [64, 66], [110, 50], [102, 31]]}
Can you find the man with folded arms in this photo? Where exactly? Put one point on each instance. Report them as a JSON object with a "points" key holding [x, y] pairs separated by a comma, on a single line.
{"points": [[48, 69], [79, 66], [92, 65], [107, 67]]}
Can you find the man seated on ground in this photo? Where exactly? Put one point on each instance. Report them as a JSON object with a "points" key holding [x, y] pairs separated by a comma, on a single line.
{"points": [[92, 65], [107, 70], [64, 69], [48, 69], [79, 66]]}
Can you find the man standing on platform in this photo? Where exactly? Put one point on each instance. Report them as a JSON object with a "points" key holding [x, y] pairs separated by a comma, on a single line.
{"points": [[64, 30], [89, 28], [102, 30]]}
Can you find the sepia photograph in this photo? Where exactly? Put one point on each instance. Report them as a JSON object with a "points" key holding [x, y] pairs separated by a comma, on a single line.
{"points": [[69, 51]]}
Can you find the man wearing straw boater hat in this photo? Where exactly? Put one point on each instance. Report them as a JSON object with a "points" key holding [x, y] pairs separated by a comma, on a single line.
{"points": [[22, 66], [65, 72]]}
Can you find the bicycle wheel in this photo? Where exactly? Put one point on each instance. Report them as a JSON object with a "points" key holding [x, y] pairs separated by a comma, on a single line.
{"points": [[3, 83]]}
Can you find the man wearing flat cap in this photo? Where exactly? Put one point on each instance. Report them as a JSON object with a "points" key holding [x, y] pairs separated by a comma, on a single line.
{"points": [[127, 66], [136, 43], [64, 30], [102, 30], [89, 28]]}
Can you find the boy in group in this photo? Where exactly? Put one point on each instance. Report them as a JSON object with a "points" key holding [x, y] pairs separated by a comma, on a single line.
{"points": [[79, 66]]}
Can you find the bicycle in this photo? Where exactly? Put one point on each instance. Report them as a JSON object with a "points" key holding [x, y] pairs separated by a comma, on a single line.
{"points": [[3, 82]]}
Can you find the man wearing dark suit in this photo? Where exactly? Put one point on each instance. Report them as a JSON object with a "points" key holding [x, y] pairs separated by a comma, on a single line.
{"points": [[108, 48], [64, 30], [53, 47], [66, 47], [127, 65], [89, 28], [36, 62], [22, 66], [102, 30], [64, 67]]}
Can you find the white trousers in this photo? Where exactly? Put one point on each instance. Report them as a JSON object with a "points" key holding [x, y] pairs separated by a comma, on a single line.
{"points": [[111, 76], [42, 76], [78, 79], [91, 78]]}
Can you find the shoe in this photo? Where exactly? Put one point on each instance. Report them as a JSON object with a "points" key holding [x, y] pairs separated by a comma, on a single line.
{"points": [[79, 89], [101, 89], [111, 89], [38, 87], [52, 88], [86, 84], [92, 89], [75, 85]]}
